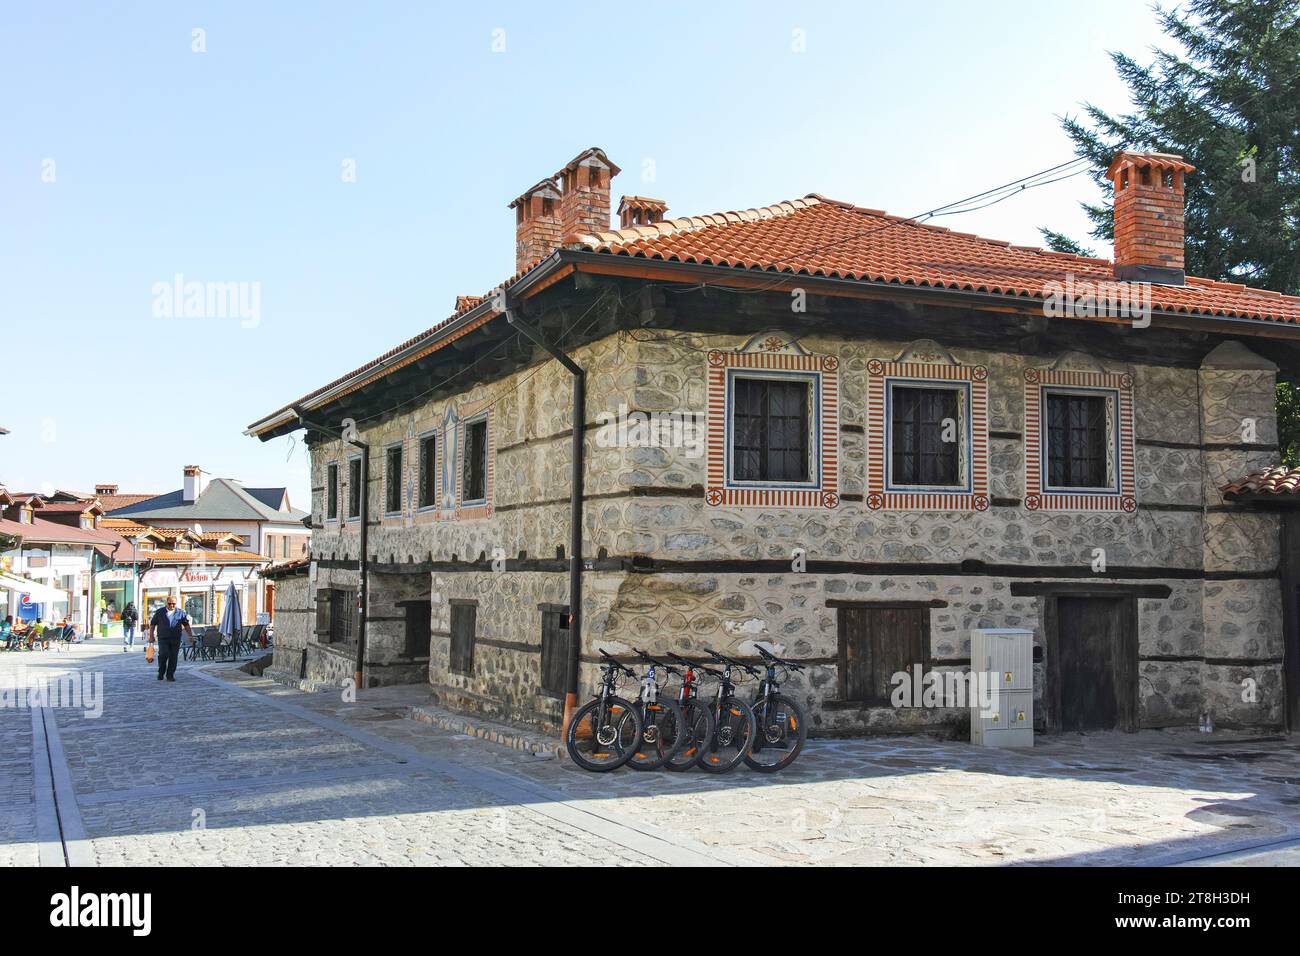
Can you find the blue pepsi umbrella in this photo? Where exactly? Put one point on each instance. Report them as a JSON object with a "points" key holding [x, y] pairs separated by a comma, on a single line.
{"points": [[232, 618]]}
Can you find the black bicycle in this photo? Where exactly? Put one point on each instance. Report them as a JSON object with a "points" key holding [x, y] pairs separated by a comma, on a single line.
{"points": [[733, 721], [662, 722], [605, 732], [697, 726], [782, 728]]}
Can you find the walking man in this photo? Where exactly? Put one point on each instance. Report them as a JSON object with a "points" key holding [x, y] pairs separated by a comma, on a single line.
{"points": [[167, 623], [129, 618]]}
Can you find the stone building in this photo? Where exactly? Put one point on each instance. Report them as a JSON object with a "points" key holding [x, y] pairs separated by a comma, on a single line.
{"points": [[842, 434]]}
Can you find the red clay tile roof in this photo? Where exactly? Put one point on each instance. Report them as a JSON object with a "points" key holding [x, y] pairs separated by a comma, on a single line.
{"points": [[113, 502], [1279, 480], [75, 506], [817, 236], [823, 237]]}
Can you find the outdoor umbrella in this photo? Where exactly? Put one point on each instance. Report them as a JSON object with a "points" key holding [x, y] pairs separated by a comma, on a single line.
{"points": [[231, 618]]}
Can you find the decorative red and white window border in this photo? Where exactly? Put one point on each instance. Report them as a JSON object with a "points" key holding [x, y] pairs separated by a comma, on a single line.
{"points": [[774, 354], [468, 415], [975, 497], [1040, 498]]}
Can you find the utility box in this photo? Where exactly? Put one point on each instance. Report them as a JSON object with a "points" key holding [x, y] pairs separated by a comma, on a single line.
{"points": [[1006, 655]]}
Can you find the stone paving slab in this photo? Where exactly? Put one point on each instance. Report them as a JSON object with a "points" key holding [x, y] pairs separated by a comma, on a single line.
{"points": [[286, 777]]}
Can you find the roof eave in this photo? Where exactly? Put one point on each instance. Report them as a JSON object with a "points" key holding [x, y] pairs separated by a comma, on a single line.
{"points": [[622, 264], [286, 419]]}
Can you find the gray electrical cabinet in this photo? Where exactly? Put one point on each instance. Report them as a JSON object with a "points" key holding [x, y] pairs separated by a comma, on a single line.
{"points": [[1006, 654]]}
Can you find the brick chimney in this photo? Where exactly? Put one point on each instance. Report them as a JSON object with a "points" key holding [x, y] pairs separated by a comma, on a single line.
{"points": [[1149, 234], [194, 484], [584, 193], [640, 211], [106, 489], [537, 224]]}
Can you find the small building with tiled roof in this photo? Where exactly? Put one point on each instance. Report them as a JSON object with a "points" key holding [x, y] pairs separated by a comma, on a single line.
{"points": [[847, 436], [217, 523]]}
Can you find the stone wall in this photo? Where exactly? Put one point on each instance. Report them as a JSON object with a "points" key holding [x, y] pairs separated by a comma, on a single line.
{"points": [[1196, 646]]}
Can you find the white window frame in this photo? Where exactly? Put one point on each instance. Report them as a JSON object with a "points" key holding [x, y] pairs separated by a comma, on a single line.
{"points": [[964, 426], [1111, 395], [812, 409]]}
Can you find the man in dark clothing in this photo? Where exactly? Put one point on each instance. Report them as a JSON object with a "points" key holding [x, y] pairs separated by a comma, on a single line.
{"points": [[130, 617], [167, 623]]}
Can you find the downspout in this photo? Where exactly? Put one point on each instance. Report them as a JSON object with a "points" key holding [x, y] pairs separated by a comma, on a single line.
{"points": [[363, 565], [575, 503]]}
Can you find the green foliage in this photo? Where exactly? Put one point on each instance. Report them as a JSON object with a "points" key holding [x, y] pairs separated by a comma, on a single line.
{"points": [[1230, 104]]}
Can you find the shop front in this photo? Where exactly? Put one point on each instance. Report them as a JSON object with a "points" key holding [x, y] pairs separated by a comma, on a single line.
{"points": [[200, 593]]}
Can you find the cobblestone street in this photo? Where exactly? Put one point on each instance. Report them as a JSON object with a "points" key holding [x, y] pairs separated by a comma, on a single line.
{"points": [[223, 768]]}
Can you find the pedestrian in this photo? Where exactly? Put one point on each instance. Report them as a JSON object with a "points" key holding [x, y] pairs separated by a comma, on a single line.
{"points": [[7, 631], [167, 623], [38, 634], [129, 617]]}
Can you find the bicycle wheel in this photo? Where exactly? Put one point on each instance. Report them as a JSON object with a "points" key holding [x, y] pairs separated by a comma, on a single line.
{"points": [[699, 729], [662, 726], [603, 735], [782, 731], [732, 735]]}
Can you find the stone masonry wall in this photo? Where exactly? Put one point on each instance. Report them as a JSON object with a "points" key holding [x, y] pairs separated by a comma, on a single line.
{"points": [[648, 503]]}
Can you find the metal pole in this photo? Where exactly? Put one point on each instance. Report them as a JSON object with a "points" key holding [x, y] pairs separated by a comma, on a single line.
{"points": [[363, 566], [575, 506]]}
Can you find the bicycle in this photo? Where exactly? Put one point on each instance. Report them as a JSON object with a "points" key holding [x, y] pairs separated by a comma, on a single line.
{"points": [[662, 722], [697, 726], [733, 721], [606, 731], [782, 728]]}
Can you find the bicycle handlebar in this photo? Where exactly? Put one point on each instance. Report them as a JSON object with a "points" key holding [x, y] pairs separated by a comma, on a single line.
{"points": [[731, 660], [772, 658]]}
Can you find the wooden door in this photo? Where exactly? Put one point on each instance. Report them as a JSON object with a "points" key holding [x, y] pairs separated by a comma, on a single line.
{"points": [[419, 616], [555, 650], [875, 643], [1096, 652]]}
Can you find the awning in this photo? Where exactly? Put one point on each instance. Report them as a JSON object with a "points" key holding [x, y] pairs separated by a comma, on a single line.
{"points": [[39, 593]]}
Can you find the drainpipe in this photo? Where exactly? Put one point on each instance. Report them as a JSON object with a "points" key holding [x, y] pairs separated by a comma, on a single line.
{"points": [[575, 504], [363, 566]]}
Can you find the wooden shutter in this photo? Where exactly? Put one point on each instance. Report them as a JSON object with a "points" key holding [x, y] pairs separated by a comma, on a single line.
{"points": [[555, 650], [323, 614], [418, 625], [464, 615], [874, 644]]}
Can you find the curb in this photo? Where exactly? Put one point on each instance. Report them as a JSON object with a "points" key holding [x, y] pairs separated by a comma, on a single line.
{"points": [[537, 744], [300, 683]]}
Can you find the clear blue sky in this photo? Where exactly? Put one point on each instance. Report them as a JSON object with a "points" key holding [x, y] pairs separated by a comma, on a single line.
{"points": [[226, 166]]}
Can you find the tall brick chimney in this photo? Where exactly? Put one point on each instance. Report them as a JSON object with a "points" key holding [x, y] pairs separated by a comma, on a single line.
{"points": [[584, 193], [640, 211], [537, 224], [1149, 235]]}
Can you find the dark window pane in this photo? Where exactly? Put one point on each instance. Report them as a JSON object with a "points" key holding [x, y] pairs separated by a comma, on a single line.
{"points": [[770, 430], [428, 456], [354, 488], [474, 474], [332, 492], [1077, 447], [920, 418], [393, 479]]}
